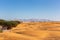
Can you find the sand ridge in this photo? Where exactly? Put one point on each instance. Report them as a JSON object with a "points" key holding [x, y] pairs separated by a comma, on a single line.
{"points": [[33, 31]]}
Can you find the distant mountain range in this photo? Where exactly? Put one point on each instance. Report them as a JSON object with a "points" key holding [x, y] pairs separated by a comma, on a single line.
{"points": [[35, 20]]}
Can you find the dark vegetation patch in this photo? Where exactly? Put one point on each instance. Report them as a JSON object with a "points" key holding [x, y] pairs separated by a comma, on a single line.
{"points": [[8, 24]]}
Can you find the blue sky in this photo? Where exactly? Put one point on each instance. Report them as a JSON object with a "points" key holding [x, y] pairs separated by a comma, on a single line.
{"points": [[28, 9]]}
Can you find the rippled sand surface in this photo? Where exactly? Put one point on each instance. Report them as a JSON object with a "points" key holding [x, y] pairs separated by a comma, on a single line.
{"points": [[33, 31]]}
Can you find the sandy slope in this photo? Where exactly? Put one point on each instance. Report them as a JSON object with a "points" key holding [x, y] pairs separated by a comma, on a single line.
{"points": [[33, 31]]}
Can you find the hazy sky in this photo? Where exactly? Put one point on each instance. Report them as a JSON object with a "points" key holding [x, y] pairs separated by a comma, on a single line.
{"points": [[27, 9]]}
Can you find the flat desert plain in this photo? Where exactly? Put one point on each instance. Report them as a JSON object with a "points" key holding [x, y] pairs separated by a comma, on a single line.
{"points": [[33, 31]]}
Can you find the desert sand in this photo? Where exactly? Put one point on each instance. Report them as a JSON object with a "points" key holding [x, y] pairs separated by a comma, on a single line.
{"points": [[33, 31]]}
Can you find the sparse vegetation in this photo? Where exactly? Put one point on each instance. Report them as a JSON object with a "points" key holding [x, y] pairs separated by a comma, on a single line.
{"points": [[8, 24]]}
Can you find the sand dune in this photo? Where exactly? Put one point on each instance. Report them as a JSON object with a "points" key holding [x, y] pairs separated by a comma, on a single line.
{"points": [[33, 31]]}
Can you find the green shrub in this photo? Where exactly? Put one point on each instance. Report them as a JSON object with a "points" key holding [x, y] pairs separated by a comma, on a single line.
{"points": [[9, 24]]}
